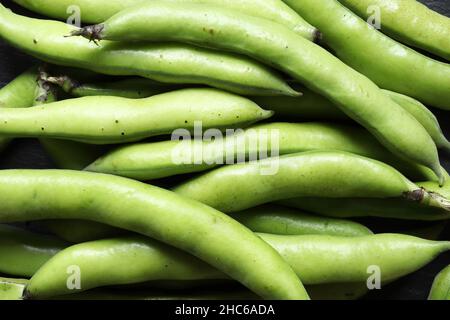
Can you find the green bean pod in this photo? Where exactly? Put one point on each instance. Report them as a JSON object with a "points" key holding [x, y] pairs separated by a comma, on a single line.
{"points": [[388, 63], [132, 88], [147, 161], [12, 289], [107, 120], [264, 40], [99, 11], [316, 259], [440, 289], [22, 252], [27, 195], [164, 62], [19, 93], [385, 208], [309, 106], [331, 174], [266, 219], [410, 22]]}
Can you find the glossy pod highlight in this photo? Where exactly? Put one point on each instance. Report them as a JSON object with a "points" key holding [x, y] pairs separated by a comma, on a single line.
{"points": [[27, 195], [316, 259], [99, 11], [331, 174], [164, 62], [107, 120], [276, 45]]}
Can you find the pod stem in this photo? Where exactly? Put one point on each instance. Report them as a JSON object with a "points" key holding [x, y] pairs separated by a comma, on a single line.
{"points": [[432, 199], [93, 33]]}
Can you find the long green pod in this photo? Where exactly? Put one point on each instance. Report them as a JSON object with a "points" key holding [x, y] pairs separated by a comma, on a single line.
{"points": [[385, 208], [23, 252], [164, 62], [12, 289], [410, 22], [285, 221], [99, 11], [440, 290], [331, 174], [147, 161], [388, 63], [318, 69], [309, 106], [317, 259], [27, 195], [19, 93], [108, 120], [266, 219]]}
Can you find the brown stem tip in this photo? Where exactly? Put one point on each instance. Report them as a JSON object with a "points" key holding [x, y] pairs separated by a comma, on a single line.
{"points": [[93, 33]]}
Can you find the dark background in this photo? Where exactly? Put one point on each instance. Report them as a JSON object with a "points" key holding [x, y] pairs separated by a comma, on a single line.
{"points": [[27, 153]]}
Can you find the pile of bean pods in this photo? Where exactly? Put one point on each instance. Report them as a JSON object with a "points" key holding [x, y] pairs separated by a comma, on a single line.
{"points": [[224, 149]]}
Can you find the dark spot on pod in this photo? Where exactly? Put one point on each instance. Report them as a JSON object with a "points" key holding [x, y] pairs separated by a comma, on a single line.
{"points": [[42, 128], [123, 133], [35, 41], [117, 121], [185, 121], [211, 32]]}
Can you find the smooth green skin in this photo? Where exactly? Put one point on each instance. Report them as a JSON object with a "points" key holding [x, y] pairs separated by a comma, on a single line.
{"points": [[317, 259], [23, 253], [309, 106], [440, 289], [98, 11], [108, 120], [385, 208], [147, 161], [19, 93], [264, 40], [27, 195], [332, 174], [410, 22], [266, 219], [12, 289], [388, 63], [285, 221], [164, 62]]}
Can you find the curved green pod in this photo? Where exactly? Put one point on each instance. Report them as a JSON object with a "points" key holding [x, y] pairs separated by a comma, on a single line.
{"points": [[410, 22], [317, 259], [266, 219], [309, 106], [164, 62], [385, 208], [276, 45], [389, 64], [27, 195], [132, 88], [285, 221], [108, 120], [147, 161], [98, 11], [440, 289], [22, 252], [19, 93], [328, 174]]}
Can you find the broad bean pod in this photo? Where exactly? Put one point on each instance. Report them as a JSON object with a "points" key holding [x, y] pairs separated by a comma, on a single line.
{"points": [[27, 195]]}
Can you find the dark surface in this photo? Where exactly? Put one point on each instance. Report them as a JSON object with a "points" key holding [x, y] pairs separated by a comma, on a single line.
{"points": [[27, 153]]}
